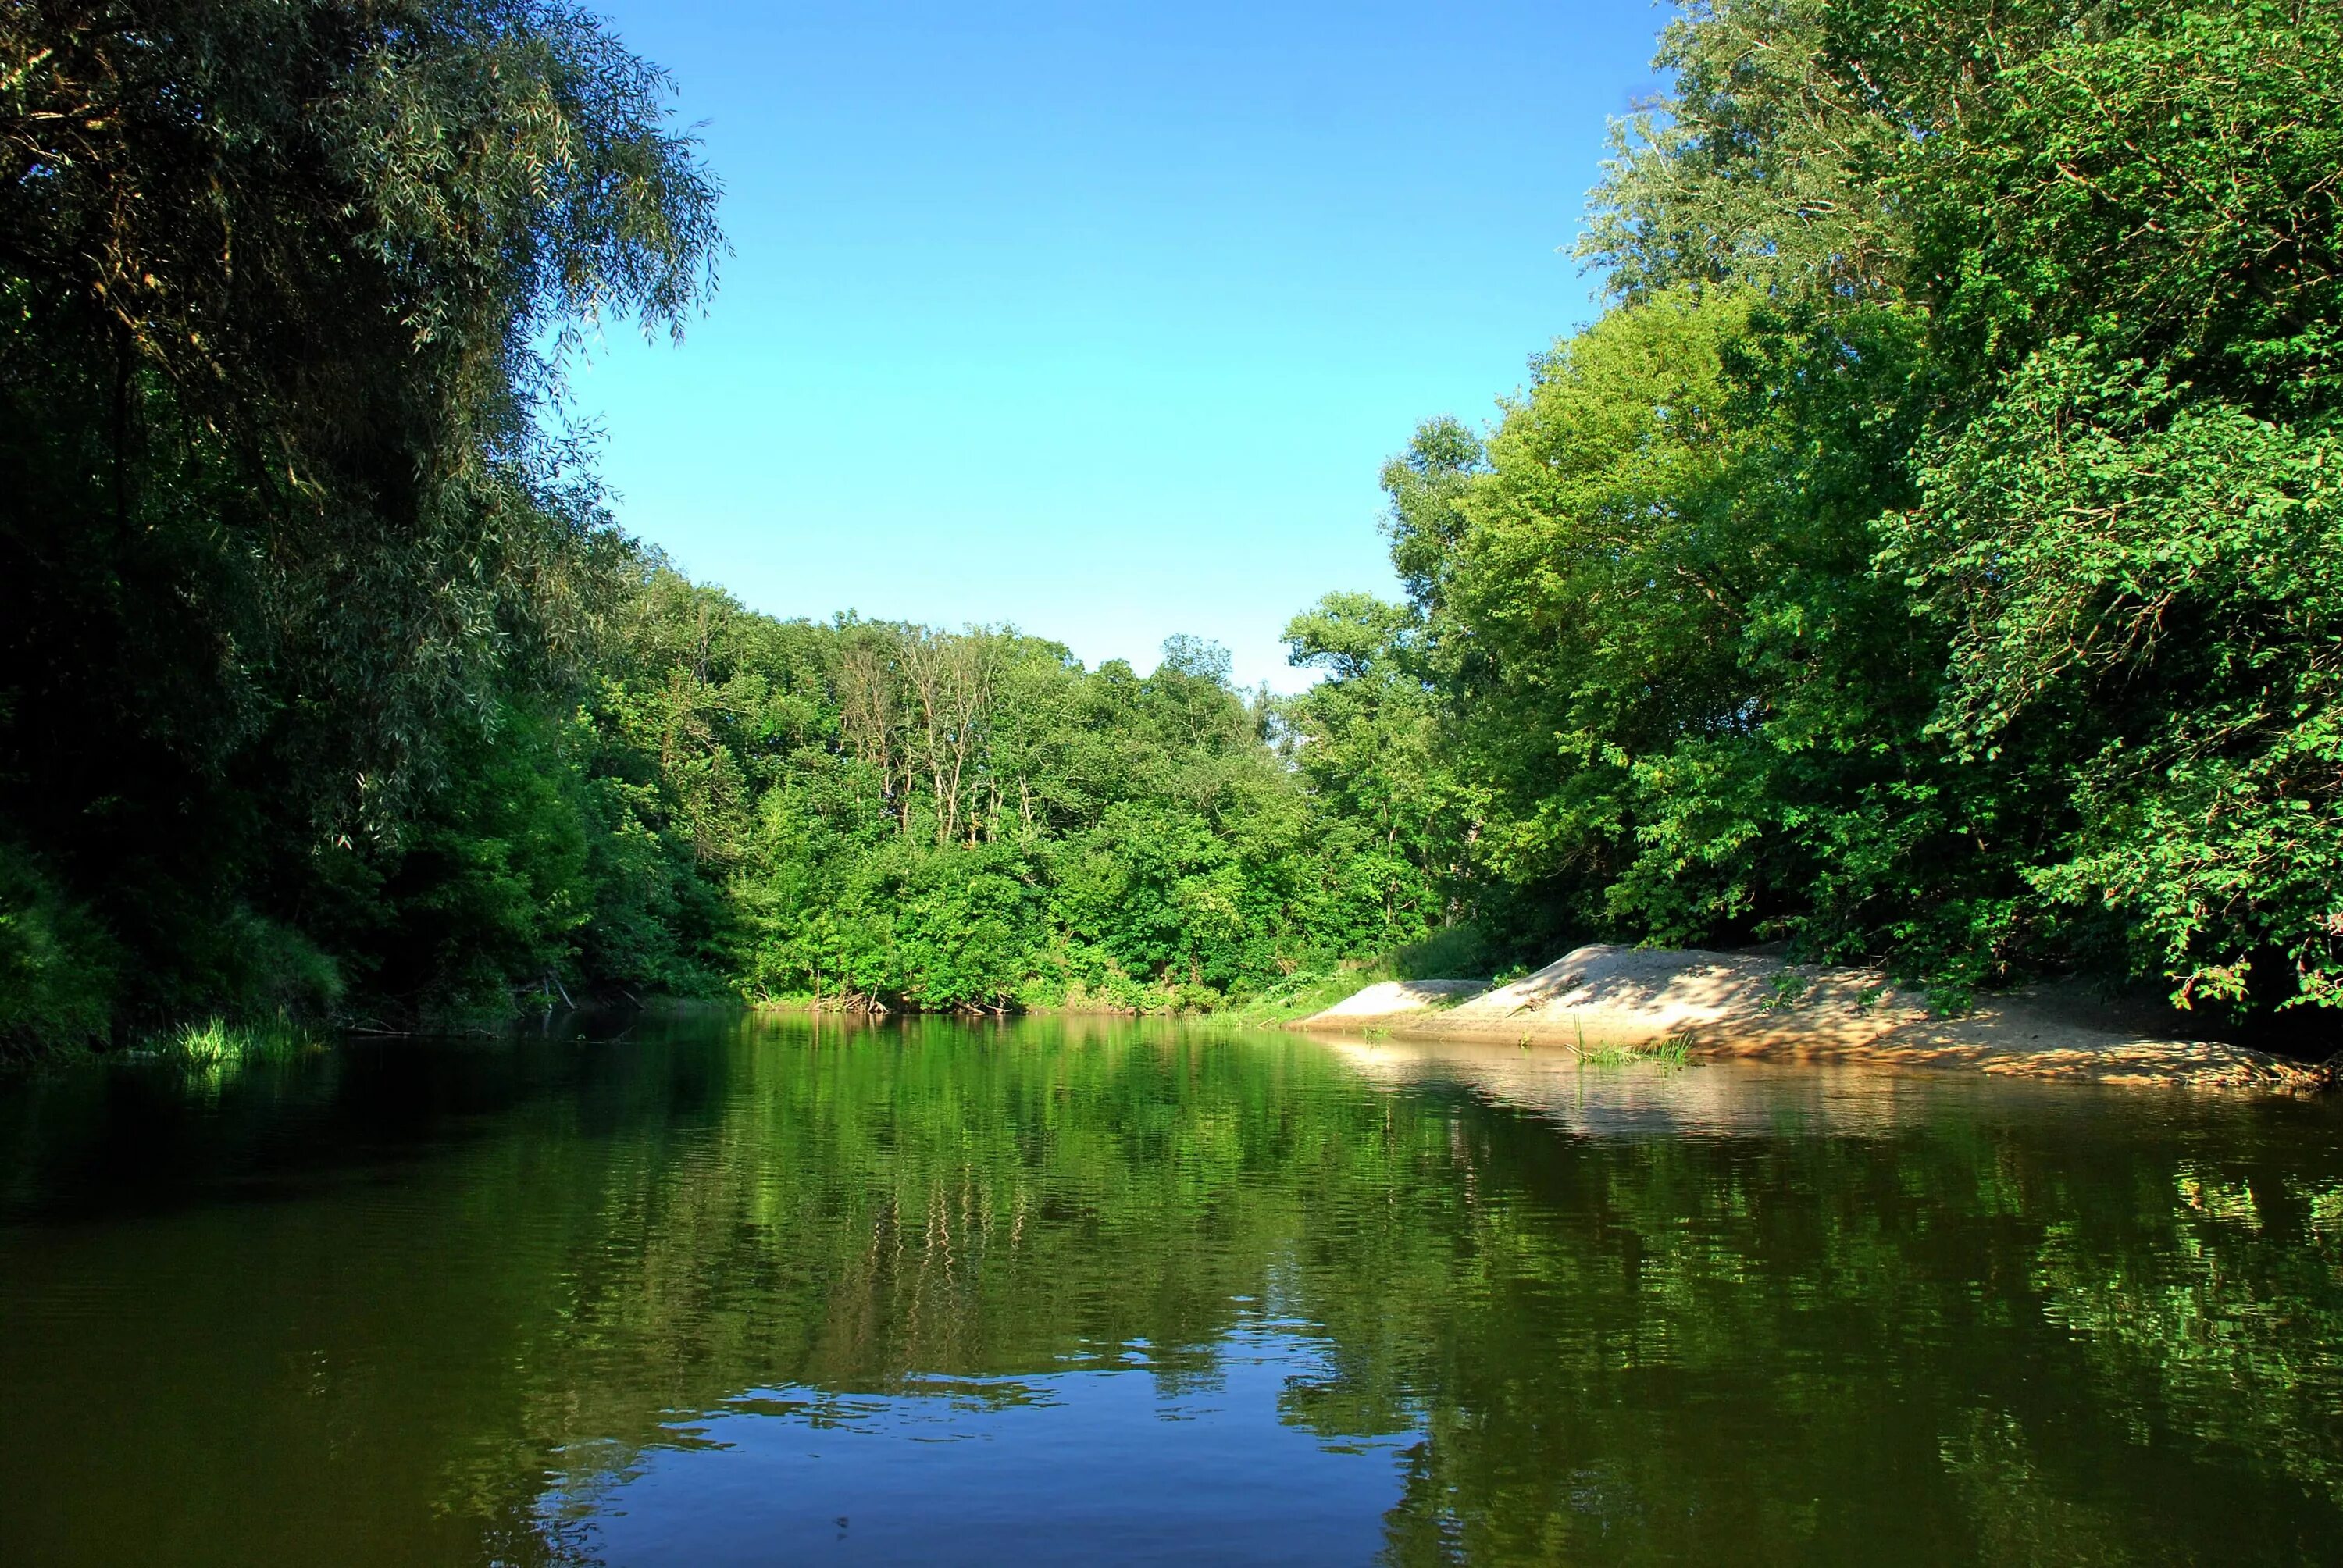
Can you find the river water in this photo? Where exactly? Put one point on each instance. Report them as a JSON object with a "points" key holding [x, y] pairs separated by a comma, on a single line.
{"points": [[763, 1289]]}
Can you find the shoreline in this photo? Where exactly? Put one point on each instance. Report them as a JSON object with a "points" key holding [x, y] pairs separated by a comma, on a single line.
{"points": [[1613, 1001]]}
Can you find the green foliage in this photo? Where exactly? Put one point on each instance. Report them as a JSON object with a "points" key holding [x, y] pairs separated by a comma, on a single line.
{"points": [[490, 883], [1932, 554], [1456, 953], [56, 967], [2177, 630], [1366, 743], [290, 515], [216, 1044], [1930, 558], [896, 817]]}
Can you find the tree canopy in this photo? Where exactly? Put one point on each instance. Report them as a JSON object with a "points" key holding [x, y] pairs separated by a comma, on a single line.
{"points": [[289, 290], [1929, 555]]}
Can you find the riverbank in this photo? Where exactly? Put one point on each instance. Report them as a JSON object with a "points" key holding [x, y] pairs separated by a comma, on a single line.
{"points": [[1605, 999]]}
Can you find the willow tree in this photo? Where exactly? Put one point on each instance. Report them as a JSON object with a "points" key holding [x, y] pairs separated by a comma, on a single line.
{"points": [[289, 291]]}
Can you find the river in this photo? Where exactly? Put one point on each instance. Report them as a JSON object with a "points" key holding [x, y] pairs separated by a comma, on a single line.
{"points": [[757, 1288]]}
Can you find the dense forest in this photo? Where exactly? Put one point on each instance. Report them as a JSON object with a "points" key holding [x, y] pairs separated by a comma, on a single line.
{"points": [[1932, 554], [892, 815], [1929, 558]]}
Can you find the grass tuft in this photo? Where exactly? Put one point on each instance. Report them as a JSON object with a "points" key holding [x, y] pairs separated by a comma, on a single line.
{"points": [[1670, 1052], [215, 1042]]}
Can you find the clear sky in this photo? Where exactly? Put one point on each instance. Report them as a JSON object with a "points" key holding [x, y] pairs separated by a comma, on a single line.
{"points": [[1099, 320]]}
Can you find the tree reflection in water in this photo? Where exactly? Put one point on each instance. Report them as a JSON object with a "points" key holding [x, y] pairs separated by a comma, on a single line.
{"points": [[460, 1301]]}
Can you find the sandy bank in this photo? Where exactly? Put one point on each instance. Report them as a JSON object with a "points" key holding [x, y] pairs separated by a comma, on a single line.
{"points": [[1603, 996], [1396, 999]]}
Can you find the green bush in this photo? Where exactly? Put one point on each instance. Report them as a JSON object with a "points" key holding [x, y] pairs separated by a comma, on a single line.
{"points": [[57, 968]]}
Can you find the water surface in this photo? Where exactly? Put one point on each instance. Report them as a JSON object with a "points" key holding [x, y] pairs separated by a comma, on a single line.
{"points": [[750, 1289]]}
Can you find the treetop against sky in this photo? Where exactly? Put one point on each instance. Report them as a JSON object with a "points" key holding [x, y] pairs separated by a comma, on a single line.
{"points": [[1099, 321]]}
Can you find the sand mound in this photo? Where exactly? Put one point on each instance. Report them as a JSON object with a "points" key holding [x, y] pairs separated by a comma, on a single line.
{"points": [[1396, 999], [1604, 997]]}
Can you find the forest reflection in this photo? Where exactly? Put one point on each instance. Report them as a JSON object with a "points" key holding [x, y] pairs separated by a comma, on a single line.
{"points": [[450, 1302]]}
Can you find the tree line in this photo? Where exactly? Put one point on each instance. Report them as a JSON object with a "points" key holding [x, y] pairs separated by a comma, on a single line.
{"points": [[1931, 554], [890, 815], [1927, 557]]}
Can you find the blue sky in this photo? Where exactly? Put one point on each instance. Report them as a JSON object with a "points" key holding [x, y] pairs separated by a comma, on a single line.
{"points": [[1099, 319]]}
